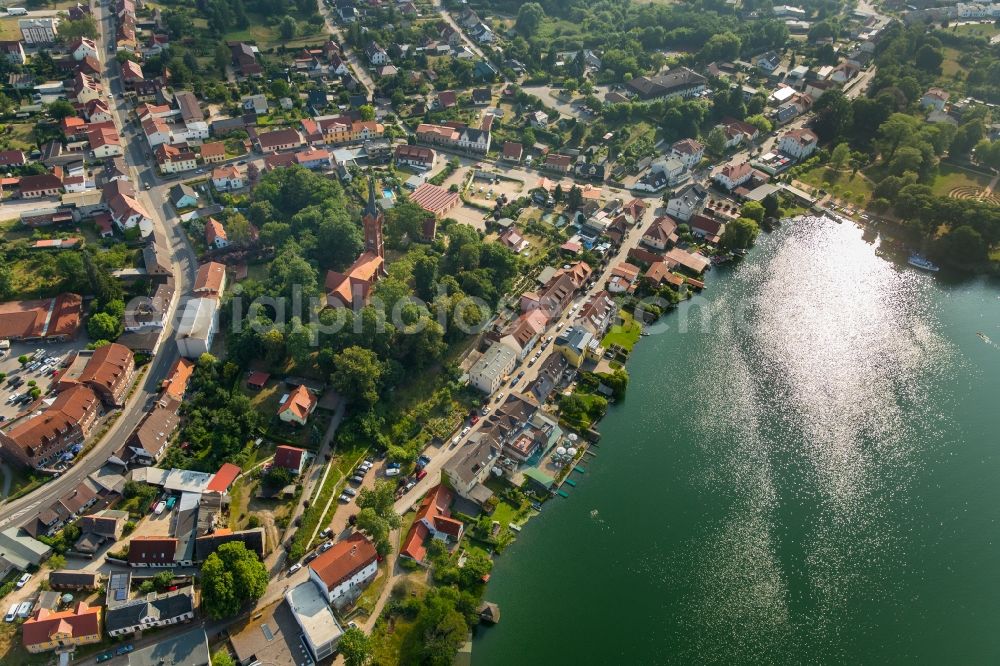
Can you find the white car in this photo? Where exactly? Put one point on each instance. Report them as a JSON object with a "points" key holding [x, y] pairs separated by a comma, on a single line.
{"points": [[11, 614], [23, 580], [465, 431], [326, 546], [295, 567]]}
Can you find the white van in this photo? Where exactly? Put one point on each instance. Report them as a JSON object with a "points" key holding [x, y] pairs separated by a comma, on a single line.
{"points": [[17, 11], [11, 614], [392, 471]]}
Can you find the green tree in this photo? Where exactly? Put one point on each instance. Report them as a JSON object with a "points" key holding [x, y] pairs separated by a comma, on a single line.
{"points": [[57, 562], [82, 27], [962, 247], [231, 577], [367, 112], [740, 233], [355, 646], [529, 17], [288, 27], [103, 326], [929, 59], [6, 282], [715, 142], [763, 125], [574, 200], [753, 210], [839, 157], [222, 658], [238, 229], [477, 565], [60, 109], [357, 375]]}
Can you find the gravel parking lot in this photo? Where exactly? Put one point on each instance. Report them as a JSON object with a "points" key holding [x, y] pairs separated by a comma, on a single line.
{"points": [[42, 376]]}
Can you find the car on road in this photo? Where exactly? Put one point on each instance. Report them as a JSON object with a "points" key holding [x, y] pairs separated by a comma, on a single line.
{"points": [[423, 459], [327, 545], [310, 557], [499, 396], [465, 431], [345, 498], [295, 567], [486, 410], [409, 486], [104, 656], [23, 580], [125, 649], [347, 491], [359, 479]]}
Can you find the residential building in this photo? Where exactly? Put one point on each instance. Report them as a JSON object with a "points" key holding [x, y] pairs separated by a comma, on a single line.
{"points": [[39, 31], [82, 47], [433, 520], [679, 82], [187, 649], [19, 550], [512, 151], [311, 609], [458, 138], [183, 196], [13, 51], [577, 345], [48, 630], [171, 159], [109, 373], [418, 157], [488, 373], [197, 328], [297, 405], [469, 467], [45, 438], [42, 185], [688, 151], [732, 176], [934, 99], [161, 610], [376, 54], [707, 228], [228, 177], [210, 280], [65, 579], [661, 233], [245, 59], [291, 458], [128, 213], [212, 152], [342, 572], [623, 279], [799, 143], [280, 139], [152, 551]]}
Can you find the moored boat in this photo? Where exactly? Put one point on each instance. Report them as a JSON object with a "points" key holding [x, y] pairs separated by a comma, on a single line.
{"points": [[922, 263]]}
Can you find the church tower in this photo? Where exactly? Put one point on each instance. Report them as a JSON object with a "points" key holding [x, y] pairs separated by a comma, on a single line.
{"points": [[372, 220]]}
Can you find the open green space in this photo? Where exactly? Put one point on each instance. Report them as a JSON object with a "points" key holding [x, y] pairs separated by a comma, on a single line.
{"points": [[854, 187], [951, 177], [623, 335]]}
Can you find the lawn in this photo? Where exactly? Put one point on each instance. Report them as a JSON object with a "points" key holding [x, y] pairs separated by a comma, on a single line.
{"points": [[950, 66], [853, 187], [951, 177], [623, 335], [389, 637], [985, 31], [17, 136]]}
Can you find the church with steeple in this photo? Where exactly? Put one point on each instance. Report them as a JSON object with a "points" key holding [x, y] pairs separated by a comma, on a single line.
{"points": [[352, 288]]}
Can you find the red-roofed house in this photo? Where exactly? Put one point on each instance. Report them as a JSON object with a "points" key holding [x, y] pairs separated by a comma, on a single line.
{"points": [[215, 234], [131, 74], [257, 379], [434, 520], [48, 630], [512, 151], [733, 175], [297, 406], [342, 572], [291, 458], [435, 199], [152, 551], [708, 228], [223, 479]]}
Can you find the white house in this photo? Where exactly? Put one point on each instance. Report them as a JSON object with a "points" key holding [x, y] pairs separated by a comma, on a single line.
{"points": [[343, 571], [686, 202], [83, 47], [488, 372], [376, 54], [799, 143], [935, 99], [227, 177], [144, 613], [127, 213], [688, 151], [732, 176]]}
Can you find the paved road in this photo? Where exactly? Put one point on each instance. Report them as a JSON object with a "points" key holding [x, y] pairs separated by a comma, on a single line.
{"points": [[360, 71], [20, 511]]}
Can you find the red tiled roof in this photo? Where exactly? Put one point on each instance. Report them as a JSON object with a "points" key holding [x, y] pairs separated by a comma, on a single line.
{"points": [[210, 276], [78, 622], [288, 457], [434, 198], [345, 559], [300, 402], [223, 478]]}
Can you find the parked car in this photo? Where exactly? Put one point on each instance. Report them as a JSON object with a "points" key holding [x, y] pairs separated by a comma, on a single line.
{"points": [[125, 649], [327, 545], [465, 431], [159, 508], [392, 471], [344, 497], [327, 532], [360, 479], [394, 465], [347, 491], [23, 580], [423, 459], [409, 486], [24, 610], [11, 614], [295, 567], [421, 474], [104, 656]]}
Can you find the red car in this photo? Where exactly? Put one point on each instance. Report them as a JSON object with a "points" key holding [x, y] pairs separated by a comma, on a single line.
{"points": [[474, 420], [421, 474]]}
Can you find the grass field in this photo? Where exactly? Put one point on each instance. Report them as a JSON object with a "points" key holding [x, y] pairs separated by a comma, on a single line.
{"points": [[986, 30], [949, 177], [950, 66], [843, 185], [624, 335], [16, 136]]}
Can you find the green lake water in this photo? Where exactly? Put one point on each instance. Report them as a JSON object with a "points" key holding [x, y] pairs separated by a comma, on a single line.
{"points": [[806, 470]]}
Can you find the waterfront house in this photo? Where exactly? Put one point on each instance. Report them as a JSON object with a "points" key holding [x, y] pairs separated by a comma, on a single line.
{"points": [[433, 520], [469, 467]]}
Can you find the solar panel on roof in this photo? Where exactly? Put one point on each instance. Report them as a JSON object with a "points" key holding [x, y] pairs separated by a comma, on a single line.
{"points": [[267, 632]]}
